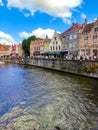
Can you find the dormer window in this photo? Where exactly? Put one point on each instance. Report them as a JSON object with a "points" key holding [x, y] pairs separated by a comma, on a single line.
{"points": [[87, 30], [96, 29]]}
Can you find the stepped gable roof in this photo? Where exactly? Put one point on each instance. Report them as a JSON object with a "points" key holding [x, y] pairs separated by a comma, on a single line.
{"points": [[73, 28], [88, 28]]}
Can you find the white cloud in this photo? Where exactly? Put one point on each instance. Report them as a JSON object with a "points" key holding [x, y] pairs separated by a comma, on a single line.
{"points": [[41, 33], [66, 20], [6, 38], [26, 15], [83, 16], [57, 8], [24, 34], [1, 3]]}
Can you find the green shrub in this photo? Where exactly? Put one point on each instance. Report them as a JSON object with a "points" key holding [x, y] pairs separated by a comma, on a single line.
{"points": [[90, 68]]}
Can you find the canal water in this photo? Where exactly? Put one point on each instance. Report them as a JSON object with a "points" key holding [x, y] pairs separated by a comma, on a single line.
{"points": [[37, 99]]}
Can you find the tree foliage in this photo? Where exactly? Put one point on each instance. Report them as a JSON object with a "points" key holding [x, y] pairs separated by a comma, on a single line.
{"points": [[26, 44]]}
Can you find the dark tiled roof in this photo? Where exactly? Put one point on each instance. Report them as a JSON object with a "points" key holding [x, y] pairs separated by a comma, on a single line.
{"points": [[88, 28]]}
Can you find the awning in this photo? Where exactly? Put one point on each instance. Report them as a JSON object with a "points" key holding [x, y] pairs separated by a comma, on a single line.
{"points": [[41, 53], [44, 53], [54, 52], [64, 52]]}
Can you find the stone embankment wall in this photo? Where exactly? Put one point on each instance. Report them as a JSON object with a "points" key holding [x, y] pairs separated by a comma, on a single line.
{"points": [[79, 67]]}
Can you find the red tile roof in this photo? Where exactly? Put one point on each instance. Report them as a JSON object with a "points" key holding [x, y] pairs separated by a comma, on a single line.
{"points": [[74, 27], [4, 47], [60, 35]]}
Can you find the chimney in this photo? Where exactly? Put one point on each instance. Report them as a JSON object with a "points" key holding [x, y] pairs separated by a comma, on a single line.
{"points": [[73, 24]]}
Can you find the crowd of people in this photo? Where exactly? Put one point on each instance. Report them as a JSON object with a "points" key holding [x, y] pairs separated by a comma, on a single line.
{"points": [[67, 57]]}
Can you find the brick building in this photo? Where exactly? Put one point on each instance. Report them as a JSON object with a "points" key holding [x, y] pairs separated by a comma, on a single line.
{"points": [[39, 47], [88, 40], [36, 47], [70, 40], [4, 50]]}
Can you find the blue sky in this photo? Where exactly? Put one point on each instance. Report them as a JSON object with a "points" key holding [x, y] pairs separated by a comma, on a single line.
{"points": [[20, 19]]}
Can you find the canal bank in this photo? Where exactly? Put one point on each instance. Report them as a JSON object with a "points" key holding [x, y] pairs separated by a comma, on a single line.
{"points": [[86, 68]]}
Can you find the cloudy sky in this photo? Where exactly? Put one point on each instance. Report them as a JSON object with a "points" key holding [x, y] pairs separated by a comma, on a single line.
{"points": [[20, 19]]}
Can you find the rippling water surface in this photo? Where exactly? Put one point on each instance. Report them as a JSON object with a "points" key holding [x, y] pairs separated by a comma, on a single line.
{"points": [[38, 99]]}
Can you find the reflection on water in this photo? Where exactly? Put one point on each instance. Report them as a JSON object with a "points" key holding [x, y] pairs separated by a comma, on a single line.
{"points": [[36, 99]]}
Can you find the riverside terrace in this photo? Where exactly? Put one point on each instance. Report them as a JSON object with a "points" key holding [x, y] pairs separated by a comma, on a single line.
{"points": [[88, 68]]}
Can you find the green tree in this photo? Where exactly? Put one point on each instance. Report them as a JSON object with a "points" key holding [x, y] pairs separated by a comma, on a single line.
{"points": [[26, 44]]}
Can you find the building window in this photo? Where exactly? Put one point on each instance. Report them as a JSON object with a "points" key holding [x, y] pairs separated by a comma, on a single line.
{"points": [[94, 52], [83, 52], [88, 52], [51, 48], [70, 37], [56, 42], [55, 38], [86, 40], [94, 38], [63, 46], [70, 45], [38, 48], [59, 47], [96, 29], [67, 38], [75, 36], [66, 45], [74, 44], [87, 30], [63, 39], [56, 48]]}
